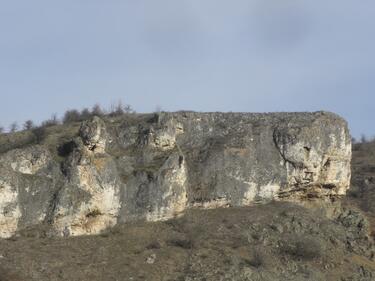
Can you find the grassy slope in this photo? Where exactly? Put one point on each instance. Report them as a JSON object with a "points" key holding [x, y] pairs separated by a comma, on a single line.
{"points": [[278, 241], [362, 192]]}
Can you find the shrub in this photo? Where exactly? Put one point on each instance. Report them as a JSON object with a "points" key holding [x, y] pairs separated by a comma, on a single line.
{"points": [[51, 122], [302, 247], [71, 116], [85, 114], [119, 109], [182, 243], [256, 260], [39, 134], [28, 125], [97, 110], [153, 245], [74, 115]]}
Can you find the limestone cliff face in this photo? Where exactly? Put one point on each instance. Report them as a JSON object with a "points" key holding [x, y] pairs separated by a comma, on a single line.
{"points": [[153, 167]]}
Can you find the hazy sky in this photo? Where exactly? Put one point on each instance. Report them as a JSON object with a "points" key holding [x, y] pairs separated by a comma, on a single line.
{"points": [[204, 55]]}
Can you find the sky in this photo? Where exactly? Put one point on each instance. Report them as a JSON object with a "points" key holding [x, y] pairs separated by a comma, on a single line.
{"points": [[202, 55]]}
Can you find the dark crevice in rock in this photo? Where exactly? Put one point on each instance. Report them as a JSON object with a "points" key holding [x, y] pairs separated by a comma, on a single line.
{"points": [[327, 164], [53, 205], [329, 186], [277, 137], [180, 161], [307, 151], [94, 213], [93, 147], [66, 149]]}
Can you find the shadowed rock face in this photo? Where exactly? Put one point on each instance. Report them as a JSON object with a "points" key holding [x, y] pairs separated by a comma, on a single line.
{"points": [[159, 165]]}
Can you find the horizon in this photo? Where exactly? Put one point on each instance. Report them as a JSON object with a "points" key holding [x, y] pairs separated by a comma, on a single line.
{"points": [[127, 109], [243, 56]]}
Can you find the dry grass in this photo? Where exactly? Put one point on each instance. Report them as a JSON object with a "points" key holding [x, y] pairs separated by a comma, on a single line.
{"points": [[303, 247]]}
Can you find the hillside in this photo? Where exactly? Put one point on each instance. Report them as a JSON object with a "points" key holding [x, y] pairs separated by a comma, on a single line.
{"points": [[309, 238], [276, 241]]}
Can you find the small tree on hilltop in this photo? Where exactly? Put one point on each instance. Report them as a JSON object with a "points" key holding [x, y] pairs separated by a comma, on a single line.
{"points": [[97, 110], [71, 116], [39, 134], [116, 108], [28, 125], [85, 114], [54, 120], [120, 108]]}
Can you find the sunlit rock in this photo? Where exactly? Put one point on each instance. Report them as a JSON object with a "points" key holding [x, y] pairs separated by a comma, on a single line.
{"points": [[153, 167]]}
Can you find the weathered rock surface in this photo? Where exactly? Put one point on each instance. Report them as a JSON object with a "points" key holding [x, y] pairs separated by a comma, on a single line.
{"points": [[153, 167]]}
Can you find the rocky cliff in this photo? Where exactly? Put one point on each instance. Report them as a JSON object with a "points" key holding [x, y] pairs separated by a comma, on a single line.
{"points": [[153, 167]]}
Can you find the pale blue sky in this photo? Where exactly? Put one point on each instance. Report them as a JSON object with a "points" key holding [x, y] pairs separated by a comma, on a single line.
{"points": [[204, 55]]}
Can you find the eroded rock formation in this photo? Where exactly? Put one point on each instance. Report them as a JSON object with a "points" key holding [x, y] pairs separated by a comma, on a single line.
{"points": [[153, 167]]}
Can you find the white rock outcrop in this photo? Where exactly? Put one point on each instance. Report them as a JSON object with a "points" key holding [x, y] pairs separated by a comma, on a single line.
{"points": [[154, 167]]}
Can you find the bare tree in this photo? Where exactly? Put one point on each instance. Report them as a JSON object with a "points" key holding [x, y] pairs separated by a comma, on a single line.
{"points": [[13, 127], [54, 120], [1, 129], [120, 108], [28, 125], [117, 108], [97, 110]]}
